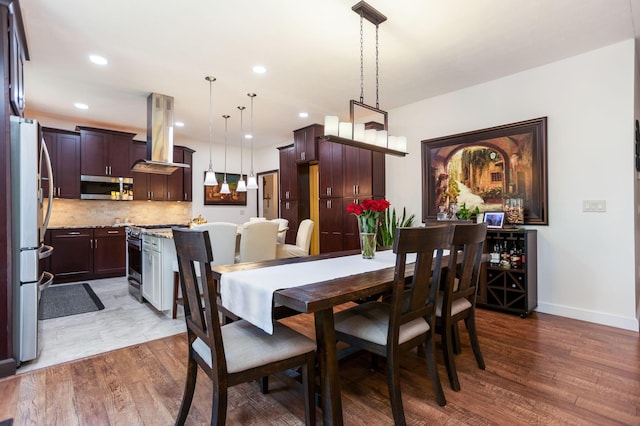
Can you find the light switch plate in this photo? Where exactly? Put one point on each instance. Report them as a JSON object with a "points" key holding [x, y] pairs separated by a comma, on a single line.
{"points": [[594, 205]]}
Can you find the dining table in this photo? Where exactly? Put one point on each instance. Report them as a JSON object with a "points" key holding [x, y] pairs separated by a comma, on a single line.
{"points": [[314, 292]]}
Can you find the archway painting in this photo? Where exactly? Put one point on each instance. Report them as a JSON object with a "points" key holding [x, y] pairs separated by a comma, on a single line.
{"points": [[485, 168]]}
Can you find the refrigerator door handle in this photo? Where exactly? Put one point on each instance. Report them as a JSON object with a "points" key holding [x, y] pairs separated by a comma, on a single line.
{"points": [[47, 158], [45, 281], [45, 251]]}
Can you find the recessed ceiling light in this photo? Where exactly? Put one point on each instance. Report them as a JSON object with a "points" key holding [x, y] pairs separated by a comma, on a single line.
{"points": [[303, 115], [179, 124], [80, 105], [259, 69], [98, 60], [248, 136]]}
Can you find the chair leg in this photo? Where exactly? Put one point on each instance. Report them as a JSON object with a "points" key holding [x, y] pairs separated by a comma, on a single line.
{"points": [[470, 322], [449, 361], [308, 383], [430, 349], [219, 404], [176, 284], [393, 382], [455, 332], [189, 388], [264, 384]]}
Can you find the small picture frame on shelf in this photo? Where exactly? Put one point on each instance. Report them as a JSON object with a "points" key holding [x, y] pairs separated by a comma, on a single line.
{"points": [[494, 220]]}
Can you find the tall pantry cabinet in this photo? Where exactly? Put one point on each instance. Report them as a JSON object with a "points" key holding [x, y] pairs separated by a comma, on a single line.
{"points": [[346, 174]]}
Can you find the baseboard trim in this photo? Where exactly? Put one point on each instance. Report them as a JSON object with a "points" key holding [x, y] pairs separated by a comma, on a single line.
{"points": [[626, 323], [7, 367]]}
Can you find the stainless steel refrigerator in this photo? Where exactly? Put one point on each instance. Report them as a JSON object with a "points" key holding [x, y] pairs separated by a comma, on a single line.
{"points": [[28, 225]]}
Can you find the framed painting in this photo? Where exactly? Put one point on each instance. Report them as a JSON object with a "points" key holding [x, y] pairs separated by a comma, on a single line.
{"points": [[492, 169], [212, 195]]}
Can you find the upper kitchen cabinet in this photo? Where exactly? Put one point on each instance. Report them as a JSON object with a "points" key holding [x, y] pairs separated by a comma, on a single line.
{"points": [[306, 143], [330, 169], [64, 150], [105, 152], [364, 172], [177, 186]]}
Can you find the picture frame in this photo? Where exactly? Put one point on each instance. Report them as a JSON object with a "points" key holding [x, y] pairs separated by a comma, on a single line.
{"points": [[212, 195], [488, 169], [494, 220]]}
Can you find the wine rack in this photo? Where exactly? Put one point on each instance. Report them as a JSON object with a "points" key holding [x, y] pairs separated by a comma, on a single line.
{"points": [[508, 282]]}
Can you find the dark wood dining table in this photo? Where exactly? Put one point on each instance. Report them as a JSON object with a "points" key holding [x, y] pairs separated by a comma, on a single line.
{"points": [[320, 298]]}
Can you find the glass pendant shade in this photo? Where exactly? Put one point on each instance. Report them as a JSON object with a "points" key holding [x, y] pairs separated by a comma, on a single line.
{"points": [[252, 183], [225, 188], [242, 186], [210, 178]]}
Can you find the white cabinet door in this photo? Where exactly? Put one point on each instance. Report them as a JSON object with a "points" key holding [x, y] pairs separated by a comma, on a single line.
{"points": [[152, 277]]}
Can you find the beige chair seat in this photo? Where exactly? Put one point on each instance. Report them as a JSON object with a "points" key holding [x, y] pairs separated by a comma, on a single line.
{"points": [[247, 346], [258, 241]]}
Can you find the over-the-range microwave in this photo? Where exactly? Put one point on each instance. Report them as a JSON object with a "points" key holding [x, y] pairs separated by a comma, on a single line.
{"points": [[106, 188]]}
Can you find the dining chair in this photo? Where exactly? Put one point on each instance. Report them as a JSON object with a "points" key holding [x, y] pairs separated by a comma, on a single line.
{"points": [[283, 227], [458, 298], [223, 246], [407, 320], [237, 352], [258, 241], [303, 241]]}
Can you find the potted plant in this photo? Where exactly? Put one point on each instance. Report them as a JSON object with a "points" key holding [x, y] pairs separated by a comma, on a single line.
{"points": [[389, 223]]}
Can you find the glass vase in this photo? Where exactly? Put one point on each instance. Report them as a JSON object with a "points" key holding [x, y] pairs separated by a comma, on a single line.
{"points": [[368, 228]]}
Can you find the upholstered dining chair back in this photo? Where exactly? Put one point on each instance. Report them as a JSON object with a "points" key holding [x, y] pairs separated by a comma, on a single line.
{"points": [[234, 353], [458, 299], [223, 236], [258, 241], [407, 319], [283, 227], [303, 242]]}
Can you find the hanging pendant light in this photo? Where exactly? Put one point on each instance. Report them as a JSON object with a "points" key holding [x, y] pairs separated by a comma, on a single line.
{"points": [[252, 183], [225, 185], [210, 175], [242, 185]]}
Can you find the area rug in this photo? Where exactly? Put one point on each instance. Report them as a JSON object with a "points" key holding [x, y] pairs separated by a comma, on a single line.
{"points": [[64, 300]]}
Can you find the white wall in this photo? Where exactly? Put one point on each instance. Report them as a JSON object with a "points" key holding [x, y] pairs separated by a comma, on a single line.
{"points": [[586, 261]]}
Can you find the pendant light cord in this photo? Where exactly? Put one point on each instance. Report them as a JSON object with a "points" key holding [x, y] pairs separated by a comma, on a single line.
{"points": [[251, 95], [226, 117], [241, 108], [361, 59], [211, 80]]}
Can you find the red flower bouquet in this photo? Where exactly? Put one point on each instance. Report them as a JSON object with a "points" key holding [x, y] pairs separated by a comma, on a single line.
{"points": [[368, 213]]}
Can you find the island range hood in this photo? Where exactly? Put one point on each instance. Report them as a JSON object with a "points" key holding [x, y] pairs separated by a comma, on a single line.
{"points": [[159, 137]]}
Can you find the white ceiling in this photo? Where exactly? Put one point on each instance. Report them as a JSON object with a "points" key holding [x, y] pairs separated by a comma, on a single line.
{"points": [[311, 49]]}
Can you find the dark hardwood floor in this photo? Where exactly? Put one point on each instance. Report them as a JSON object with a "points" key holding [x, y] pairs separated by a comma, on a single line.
{"points": [[540, 370]]}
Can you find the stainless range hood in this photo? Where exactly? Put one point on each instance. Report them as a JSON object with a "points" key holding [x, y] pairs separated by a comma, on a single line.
{"points": [[159, 137]]}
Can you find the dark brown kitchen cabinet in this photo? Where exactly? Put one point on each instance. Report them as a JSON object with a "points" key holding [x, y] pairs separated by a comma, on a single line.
{"points": [[72, 256], [175, 181], [289, 191], [306, 142], [177, 186], [364, 172], [110, 252], [331, 212], [64, 150], [187, 179], [105, 152], [330, 169], [87, 253]]}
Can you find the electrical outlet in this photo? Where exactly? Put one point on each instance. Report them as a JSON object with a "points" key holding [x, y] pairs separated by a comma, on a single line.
{"points": [[241, 212], [594, 205]]}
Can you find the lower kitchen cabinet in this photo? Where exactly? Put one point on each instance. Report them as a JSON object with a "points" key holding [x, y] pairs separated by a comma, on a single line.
{"points": [[87, 253], [158, 259]]}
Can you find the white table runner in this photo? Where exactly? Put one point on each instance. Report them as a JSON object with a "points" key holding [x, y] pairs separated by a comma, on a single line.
{"points": [[249, 294]]}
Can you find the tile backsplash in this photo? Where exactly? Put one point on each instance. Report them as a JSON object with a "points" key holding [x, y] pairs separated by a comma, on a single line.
{"points": [[103, 213]]}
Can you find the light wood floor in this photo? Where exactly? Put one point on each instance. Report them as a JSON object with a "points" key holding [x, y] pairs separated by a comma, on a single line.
{"points": [[540, 370]]}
